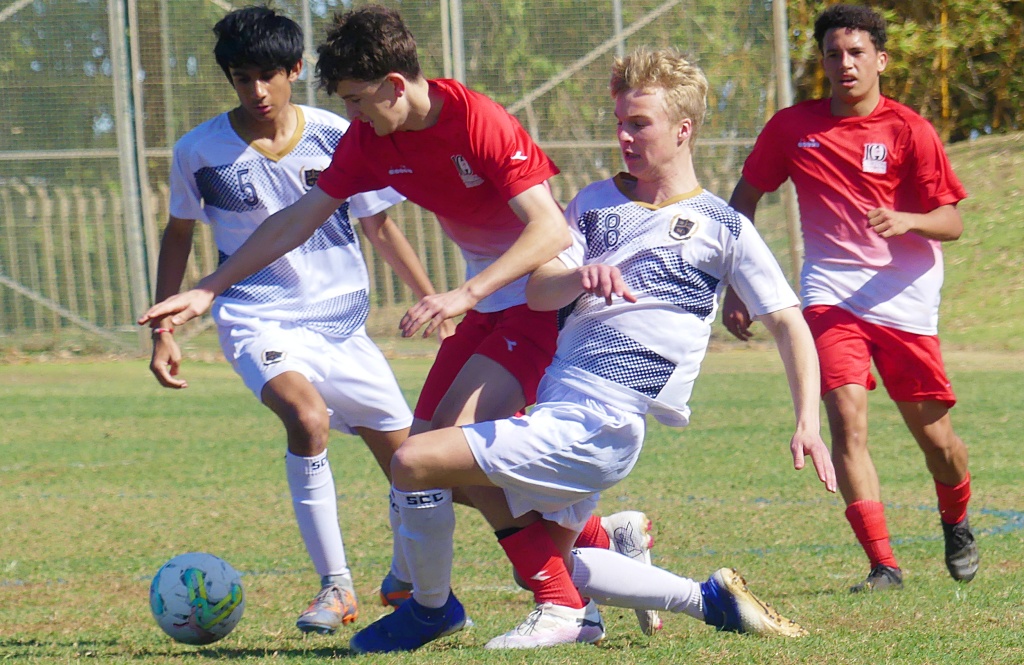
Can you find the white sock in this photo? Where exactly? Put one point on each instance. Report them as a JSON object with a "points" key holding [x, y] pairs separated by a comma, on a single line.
{"points": [[428, 526], [613, 579], [316, 511], [399, 566]]}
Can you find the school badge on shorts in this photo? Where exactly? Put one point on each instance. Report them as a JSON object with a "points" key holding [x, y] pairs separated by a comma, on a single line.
{"points": [[271, 357], [682, 227]]}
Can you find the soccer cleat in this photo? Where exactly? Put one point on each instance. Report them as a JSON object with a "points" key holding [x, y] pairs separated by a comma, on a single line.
{"points": [[409, 627], [880, 578], [549, 625], [333, 606], [961, 550], [729, 605], [630, 535], [393, 591]]}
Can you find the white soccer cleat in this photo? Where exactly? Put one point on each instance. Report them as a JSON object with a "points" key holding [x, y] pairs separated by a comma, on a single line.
{"points": [[729, 605], [630, 535], [549, 625]]}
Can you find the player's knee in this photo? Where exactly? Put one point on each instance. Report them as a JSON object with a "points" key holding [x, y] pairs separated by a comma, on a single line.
{"points": [[410, 468], [307, 424]]}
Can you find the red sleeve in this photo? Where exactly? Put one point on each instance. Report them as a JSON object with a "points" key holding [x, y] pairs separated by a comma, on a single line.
{"points": [[510, 159], [340, 180], [930, 175], [766, 167]]}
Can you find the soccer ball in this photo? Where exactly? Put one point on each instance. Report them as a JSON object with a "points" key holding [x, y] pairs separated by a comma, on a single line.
{"points": [[197, 598]]}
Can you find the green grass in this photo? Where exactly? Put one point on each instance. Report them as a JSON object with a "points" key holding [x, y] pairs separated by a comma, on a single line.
{"points": [[104, 476]]}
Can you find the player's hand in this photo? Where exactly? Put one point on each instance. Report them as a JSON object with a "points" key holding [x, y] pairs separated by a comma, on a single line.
{"points": [[604, 281], [735, 316], [810, 443], [889, 223], [166, 361], [183, 307], [433, 310], [445, 330]]}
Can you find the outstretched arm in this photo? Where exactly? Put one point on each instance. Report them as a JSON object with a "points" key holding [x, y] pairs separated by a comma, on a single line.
{"points": [[796, 348], [389, 241], [276, 236]]}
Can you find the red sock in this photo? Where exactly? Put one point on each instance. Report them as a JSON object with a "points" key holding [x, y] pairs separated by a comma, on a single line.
{"points": [[540, 565], [953, 500], [593, 535], [868, 521]]}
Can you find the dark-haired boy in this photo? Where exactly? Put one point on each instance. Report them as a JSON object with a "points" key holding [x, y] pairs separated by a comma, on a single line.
{"points": [[877, 197], [294, 331]]}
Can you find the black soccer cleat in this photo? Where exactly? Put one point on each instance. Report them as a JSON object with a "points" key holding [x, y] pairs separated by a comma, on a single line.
{"points": [[961, 551]]}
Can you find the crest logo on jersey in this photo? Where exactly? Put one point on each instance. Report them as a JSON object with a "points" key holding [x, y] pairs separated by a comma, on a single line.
{"points": [[271, 357], [309, 177], [682, 228], [875, 155], [469, 179], [808, 142]]}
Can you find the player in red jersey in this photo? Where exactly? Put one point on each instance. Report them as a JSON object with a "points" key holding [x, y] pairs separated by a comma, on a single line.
{"points": [[877, 198], [462, 156]]}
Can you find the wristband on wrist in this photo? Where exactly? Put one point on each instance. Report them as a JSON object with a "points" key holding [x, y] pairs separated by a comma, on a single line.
{"points": [[157, 331]]}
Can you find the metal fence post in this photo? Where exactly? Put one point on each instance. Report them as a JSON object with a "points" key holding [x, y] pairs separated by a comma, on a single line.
{"points": [[127, 157], [784, 93]]}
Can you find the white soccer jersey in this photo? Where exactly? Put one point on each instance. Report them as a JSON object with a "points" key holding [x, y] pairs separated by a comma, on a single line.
{"points": [[676, 258], [218, 178]]}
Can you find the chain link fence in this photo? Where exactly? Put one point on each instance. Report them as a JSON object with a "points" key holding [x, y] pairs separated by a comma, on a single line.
{"points": [[97, 92]]}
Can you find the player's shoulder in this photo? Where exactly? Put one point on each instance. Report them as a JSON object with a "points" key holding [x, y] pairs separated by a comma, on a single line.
{"points": [[322, 124], [318, 116], [200, 136], [903, 116], [601, 194], [801, 111], [714, 208], [467, 102]]}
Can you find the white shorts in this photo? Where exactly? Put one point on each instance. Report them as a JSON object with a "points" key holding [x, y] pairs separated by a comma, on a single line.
{"points": [[350, 373], [558, 459]]}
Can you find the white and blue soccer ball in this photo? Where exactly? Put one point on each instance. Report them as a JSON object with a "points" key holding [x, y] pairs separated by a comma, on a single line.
{"points": [[197, 598]]}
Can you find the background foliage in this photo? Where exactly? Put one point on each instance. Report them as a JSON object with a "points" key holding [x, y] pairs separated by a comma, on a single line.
{"points": [[957, 62]]}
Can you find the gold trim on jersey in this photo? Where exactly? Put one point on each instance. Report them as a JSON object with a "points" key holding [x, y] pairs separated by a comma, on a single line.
{"points": [[625, 183], [300, 126]]}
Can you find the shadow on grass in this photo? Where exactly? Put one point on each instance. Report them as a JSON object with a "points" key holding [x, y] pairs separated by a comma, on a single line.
{"points": [[15, 649]]}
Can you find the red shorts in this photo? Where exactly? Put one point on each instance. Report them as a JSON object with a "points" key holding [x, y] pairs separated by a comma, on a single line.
{"points": [[518, 338], [910, 365]]}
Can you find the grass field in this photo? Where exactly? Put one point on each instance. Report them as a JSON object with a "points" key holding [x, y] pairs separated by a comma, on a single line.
{"points": [[104, 476]]}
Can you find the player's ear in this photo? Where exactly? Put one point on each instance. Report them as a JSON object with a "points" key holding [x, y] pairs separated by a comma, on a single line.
{"points": [[883, 60], [398, 82], [685, 130], [293, 73]]}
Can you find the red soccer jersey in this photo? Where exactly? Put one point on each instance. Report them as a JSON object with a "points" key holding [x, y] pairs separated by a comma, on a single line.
{"points": [[464, 169], [842, 168]]}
